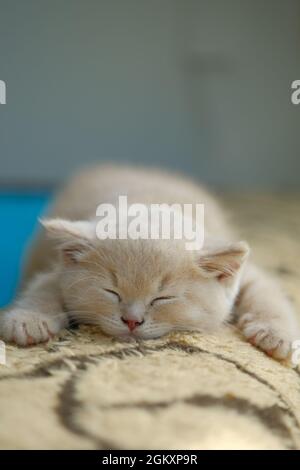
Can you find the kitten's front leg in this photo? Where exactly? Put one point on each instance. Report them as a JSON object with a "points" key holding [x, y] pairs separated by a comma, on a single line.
{"points": [[38, 314], [265, 316]]}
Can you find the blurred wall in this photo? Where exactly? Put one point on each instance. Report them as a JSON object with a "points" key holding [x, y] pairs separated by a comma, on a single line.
{"points": [[200, 85]]}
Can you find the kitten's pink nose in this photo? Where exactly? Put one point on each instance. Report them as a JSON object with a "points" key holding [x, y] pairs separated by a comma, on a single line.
{"points": [[132, 324]]}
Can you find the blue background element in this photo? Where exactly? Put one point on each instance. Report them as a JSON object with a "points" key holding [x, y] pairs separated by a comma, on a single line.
{"points": [[19, 212]]}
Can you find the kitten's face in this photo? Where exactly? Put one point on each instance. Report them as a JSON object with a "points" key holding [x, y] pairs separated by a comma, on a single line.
{"points": [[144, 289]]}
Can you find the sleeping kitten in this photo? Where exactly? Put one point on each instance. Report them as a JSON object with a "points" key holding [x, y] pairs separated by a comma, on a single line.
{"points": [[143, 288]]}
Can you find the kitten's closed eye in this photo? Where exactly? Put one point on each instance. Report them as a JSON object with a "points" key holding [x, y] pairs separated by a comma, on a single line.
{"points": [[113, 295], [162, 300]]}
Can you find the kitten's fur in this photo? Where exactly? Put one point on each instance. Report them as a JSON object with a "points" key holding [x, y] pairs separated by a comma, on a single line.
{"points": [[159, 286]]}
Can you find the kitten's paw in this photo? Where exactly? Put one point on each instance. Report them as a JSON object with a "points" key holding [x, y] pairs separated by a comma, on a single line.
{"points": [[264, 336], [26, 327]]}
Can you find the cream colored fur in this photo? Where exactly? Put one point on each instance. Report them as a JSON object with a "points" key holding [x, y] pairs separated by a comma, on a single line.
{"points": [[72, 276]]}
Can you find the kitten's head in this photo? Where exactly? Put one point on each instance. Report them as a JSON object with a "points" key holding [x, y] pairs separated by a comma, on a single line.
{"points": [[145, 288]]}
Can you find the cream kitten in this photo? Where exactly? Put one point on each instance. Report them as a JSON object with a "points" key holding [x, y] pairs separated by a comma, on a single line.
{"points": [[143, 288]]}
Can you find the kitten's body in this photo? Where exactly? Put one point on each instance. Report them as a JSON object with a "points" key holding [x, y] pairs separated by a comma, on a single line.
{"points": [[143, 288], [80, 198]]}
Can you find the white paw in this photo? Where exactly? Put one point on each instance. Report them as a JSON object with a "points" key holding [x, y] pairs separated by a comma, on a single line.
{"points": [[269, 338], [26, 327]]}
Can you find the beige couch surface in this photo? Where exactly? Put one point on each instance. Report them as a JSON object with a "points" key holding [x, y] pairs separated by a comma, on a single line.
{"points": [[184, 391]]}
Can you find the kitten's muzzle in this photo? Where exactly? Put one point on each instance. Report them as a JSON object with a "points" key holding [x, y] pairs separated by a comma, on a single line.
{"points": [[132, 324]]}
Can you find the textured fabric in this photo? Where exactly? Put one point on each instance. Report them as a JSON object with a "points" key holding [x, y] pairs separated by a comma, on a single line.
{"points": [[185, 391]]}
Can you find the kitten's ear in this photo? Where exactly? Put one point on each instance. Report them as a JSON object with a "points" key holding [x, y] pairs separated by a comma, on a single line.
{"points": [[225, 262], [73, 238]]}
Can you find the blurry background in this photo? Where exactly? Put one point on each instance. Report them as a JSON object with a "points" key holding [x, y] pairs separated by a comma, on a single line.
{"points": [[202, 86]]}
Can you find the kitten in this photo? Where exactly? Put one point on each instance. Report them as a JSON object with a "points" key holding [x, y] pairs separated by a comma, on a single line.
{"points": [[143, 288]]}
